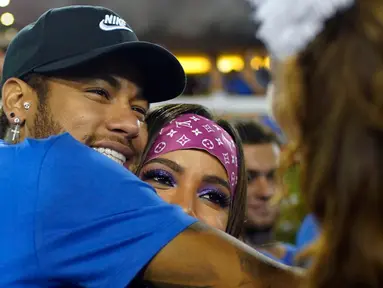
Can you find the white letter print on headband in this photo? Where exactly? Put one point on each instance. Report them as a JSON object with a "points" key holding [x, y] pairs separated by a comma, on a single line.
{"points": [[288, 26]]}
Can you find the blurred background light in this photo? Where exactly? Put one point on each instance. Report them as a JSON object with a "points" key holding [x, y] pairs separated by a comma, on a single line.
{"points": [[7, 19]]}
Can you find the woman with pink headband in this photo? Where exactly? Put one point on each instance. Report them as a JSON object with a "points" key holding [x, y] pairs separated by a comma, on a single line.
{"points": [[196, 162]]}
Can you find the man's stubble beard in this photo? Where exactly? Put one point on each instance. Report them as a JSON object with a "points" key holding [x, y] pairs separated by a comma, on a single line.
{"points": [[44, 124]]}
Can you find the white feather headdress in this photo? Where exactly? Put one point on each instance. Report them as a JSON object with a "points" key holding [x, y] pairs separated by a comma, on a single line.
{"points": [[288, 26]]}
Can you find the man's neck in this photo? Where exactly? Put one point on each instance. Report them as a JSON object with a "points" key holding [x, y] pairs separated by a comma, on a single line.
{"points": [[257, 237]]}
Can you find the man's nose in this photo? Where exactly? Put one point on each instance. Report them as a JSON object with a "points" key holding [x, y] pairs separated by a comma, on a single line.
{"points": [[122, 120], [261, 187]]}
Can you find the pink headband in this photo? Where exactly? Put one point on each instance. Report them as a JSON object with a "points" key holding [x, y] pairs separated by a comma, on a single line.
{"points": [[190, 131]]}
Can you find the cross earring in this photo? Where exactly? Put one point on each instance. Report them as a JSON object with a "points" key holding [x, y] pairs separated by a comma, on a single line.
{"points": [[16, 130]]}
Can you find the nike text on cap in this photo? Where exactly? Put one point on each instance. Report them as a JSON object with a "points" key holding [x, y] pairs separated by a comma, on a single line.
{"points": [[65, 37]]}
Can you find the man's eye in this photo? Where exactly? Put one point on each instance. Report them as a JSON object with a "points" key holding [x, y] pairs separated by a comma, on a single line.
{"points": [[139, 110], [141, 113], [100, 92]]}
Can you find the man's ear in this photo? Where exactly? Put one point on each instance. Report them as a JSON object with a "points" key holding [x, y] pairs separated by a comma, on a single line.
{"points": [[15, 93]]}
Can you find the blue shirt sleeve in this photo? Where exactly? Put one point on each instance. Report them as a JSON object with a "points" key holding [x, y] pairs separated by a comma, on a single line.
{"points": [[97, 225], [289, 257], [308, 232]]}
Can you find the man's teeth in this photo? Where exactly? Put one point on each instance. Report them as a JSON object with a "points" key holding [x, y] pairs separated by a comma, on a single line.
{"points": [[114, 155]]}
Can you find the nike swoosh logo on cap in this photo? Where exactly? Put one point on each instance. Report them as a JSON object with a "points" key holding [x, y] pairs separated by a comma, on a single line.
{"points": [[106, 27]]}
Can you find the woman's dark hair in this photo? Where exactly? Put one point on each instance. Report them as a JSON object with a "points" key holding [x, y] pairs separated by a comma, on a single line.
{"points": [[159, 117]]}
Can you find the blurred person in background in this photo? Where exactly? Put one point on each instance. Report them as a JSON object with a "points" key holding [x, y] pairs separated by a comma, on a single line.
{"points": [[197, 176], [73, 120], [207, 84], [331, 81], [196, 86], [262, 153], [248, 81]]}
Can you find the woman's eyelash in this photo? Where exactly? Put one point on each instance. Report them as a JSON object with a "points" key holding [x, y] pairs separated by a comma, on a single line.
{"points": [[165, 178], [160, 176], [216, 196]]}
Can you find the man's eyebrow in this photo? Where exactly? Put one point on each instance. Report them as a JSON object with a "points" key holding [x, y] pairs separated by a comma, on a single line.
{"points": [[111, 80]]}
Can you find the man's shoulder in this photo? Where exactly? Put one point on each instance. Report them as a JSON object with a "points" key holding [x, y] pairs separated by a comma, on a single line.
{"points": [[27, 155], [67, 156], [72, 170], [30, 145], [60, 157]]}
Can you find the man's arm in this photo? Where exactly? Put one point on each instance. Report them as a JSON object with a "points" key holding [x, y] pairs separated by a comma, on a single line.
{"points": [[204, 257], [97, 225]]}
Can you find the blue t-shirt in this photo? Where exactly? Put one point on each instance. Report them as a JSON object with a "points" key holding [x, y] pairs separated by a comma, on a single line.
{"points": [[71, 216], [288, 258], [238, 86], [308, 232]]}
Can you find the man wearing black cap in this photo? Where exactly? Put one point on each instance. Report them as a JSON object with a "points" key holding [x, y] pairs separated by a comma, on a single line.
{"points": [[61, 53], [69, 216]]}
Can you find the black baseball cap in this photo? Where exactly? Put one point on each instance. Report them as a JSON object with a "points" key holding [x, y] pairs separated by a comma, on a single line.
{"points": [[65, 37]]}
